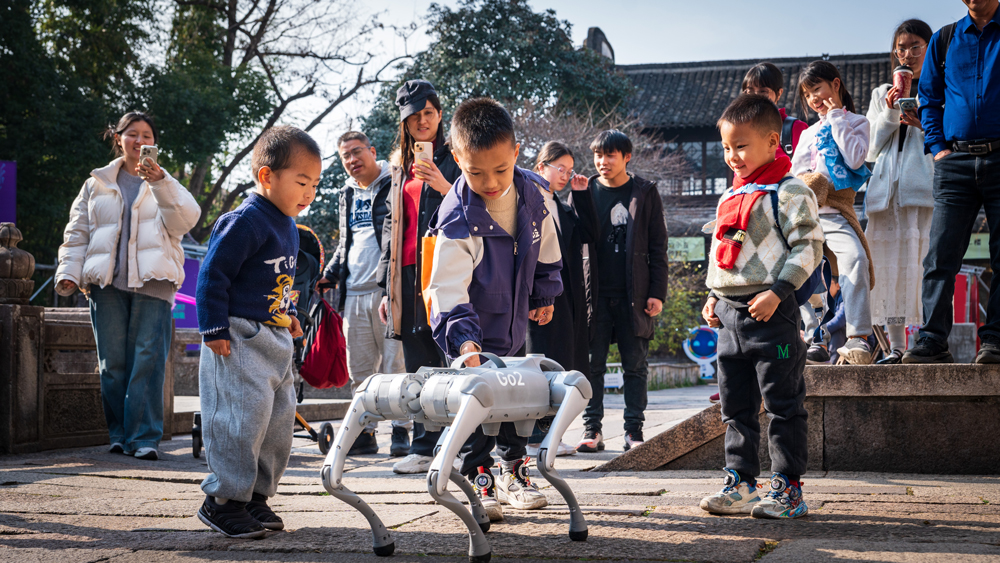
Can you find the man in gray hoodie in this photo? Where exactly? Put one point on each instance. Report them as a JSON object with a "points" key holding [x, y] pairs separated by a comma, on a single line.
{"points": [[362, 207]]}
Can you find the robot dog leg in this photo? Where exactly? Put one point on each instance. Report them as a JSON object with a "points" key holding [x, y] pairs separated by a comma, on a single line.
{"points": [[332, 473], [570, 392], [471, 413]]}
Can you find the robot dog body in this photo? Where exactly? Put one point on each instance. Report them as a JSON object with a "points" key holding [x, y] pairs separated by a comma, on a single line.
{"points": [[517, 390]]}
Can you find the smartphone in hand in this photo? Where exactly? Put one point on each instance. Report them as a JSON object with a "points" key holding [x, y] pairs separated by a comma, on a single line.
{"points": [[423, 151], [907, 104], [148, 152]]}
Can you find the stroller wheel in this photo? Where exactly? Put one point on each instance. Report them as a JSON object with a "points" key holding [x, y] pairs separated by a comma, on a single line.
{"points": [[325, 440]]}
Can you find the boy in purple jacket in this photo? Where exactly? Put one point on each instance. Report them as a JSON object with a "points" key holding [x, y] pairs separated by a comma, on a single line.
{"points": [[496, 265]]}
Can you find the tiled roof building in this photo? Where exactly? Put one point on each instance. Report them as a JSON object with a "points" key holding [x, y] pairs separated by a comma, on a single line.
{"points": [[681, 102]]}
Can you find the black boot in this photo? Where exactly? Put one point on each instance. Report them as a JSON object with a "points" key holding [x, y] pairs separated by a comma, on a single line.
{"points": [[365, 444], [928, 351], [400, 442]]}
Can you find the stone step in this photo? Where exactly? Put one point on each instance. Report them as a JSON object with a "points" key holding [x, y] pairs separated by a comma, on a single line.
{"points": [[903, 418]]}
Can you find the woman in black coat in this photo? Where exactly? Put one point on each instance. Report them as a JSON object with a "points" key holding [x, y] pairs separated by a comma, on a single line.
{"points": [[565, 339]]}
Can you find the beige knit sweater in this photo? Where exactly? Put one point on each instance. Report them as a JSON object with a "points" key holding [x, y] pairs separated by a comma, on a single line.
{"points": [[503, 210]]}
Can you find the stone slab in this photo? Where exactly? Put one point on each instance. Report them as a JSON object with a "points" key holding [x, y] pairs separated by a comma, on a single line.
{"points": [[930, 380], [822, 550]]}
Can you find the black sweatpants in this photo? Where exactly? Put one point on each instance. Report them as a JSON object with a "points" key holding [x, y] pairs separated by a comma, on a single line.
{"points": [[762, 360]]}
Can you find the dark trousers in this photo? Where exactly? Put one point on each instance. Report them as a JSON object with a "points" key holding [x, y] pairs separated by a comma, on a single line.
{"points": [[963, 184], [419, 350], [613, 317], [762, 360], [477, 451]]}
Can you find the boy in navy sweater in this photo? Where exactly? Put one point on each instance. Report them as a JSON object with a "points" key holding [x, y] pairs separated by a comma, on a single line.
{"points": [[497, 264], [247, 319]]}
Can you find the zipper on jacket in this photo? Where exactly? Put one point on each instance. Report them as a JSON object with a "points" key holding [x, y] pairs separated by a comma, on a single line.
{"points": [[515, 248]]}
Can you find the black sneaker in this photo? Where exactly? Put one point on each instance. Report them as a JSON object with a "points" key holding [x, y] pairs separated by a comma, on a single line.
{"points": [[258, 508], [632, 439], [400, 442], [893, 358], [928, 351], [817, 354], [365, 444], [230, 519], [989, 352]]}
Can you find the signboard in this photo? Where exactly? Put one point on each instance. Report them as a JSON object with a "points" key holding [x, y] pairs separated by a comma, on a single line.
{"points": [[686, 249], [979, 247], [8, 191], [185, 312]]}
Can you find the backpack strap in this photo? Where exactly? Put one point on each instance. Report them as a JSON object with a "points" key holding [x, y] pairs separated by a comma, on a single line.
{"points": [[786, 135], [944, 42], [774, 209]]}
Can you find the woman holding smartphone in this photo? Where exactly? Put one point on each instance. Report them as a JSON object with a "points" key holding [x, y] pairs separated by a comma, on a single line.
{"points": [[899, 200], [122, 248], [418, 186]]}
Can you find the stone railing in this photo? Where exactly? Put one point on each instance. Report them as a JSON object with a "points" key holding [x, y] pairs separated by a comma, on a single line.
{"points": [[662, 375]]}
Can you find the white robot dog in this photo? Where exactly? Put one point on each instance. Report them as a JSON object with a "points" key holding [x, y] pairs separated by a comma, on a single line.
{"points": [[518, 390]]}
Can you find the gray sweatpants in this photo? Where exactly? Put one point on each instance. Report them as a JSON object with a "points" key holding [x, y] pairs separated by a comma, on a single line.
{"points": [[247, 411], [852, 266], [368, 350]]}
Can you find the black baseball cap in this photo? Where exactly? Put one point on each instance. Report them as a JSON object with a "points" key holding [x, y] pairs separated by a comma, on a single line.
{"points": [[412, 97]]}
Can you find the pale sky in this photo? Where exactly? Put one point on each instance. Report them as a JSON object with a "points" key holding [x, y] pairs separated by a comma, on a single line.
{"points": [[663, 31]]}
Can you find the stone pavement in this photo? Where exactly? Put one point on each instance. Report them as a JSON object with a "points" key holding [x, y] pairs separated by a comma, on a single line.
{"points": [[85, 505]]}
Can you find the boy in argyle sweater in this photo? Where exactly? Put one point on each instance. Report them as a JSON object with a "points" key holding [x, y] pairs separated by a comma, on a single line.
{"points": [[753, 272]]}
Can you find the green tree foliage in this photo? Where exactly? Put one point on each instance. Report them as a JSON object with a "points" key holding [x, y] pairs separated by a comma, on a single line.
{"points": [[53, 111], [506, 50]]}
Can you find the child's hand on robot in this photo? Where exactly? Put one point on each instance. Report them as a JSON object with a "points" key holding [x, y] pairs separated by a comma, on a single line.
{"points": [[220, 347], [708, 313], [763, 305], [541, 315], [468, 348], [296, 328]]}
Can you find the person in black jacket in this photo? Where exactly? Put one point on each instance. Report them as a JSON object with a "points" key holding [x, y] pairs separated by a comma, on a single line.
{"points": [[626, 272], [354, 267], [418, 187], [562, 339]]}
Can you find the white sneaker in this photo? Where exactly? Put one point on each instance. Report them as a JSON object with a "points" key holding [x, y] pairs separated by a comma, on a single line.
{"points": [[413, 463], [737, 497], [147, 453], [564, 449], [116, 448], [516, 489]]}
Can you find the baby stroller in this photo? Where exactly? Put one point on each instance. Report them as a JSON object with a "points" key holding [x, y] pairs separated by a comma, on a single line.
{"points": [[311, 314]]}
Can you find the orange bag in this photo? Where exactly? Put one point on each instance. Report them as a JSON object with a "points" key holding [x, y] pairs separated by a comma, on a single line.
{"points": [[426, 266]]}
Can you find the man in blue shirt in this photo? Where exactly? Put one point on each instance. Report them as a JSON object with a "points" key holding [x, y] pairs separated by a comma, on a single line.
{"points": [[960, 115]]}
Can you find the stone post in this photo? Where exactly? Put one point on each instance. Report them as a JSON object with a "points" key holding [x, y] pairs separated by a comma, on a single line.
{"points": [[21, 343]]}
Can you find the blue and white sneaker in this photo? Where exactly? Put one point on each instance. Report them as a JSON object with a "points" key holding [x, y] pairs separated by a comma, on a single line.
{"points": [[737, 497], [783, 501]]}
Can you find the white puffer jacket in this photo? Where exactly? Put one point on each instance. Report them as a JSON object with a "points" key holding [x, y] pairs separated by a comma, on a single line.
{"points": [[162, 213], [912, 168]]}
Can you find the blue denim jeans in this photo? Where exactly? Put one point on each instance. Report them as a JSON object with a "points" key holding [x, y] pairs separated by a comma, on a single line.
{"points": [[613, 317], [133, 339], [963, 184]]}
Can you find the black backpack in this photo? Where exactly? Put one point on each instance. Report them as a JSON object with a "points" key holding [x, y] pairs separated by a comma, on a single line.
{"points": [[944, 42], [786, 135]]}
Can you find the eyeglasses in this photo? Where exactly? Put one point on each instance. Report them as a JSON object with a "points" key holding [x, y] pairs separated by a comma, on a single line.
{"points": [[758, 91], [914, 50], [561, 170]]}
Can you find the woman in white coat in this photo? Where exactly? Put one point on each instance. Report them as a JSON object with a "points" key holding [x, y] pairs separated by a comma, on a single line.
{"points": [[122, 248], [899, 200]]}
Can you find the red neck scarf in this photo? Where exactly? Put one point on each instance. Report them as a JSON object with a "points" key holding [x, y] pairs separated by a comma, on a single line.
{"points": [[770, 173], [734, 213]]}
